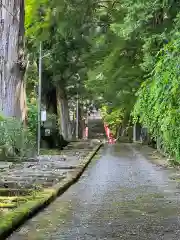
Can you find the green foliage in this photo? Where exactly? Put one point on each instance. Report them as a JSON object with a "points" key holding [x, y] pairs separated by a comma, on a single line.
{"points": [[124, 59], [124, 54], [113, 47], [15, 140], [63, 28], [113, 117], [158, 99], [31, 79], [32, 115]]}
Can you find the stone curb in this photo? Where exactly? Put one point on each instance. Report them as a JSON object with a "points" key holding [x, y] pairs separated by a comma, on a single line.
{"points": [[14, 220]]}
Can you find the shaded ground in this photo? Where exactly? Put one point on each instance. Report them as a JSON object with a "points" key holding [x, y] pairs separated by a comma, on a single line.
{"points": [[122, 195]]}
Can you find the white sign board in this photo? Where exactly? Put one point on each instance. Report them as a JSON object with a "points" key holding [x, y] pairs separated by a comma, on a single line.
{"points": [[43, 115]]}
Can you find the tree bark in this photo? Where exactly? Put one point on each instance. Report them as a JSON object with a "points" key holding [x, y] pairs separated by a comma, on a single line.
{"points": [[63, 112], [81, 122], [12, 64]]}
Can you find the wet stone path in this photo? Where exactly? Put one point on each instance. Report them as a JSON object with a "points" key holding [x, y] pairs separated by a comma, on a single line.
{"points": [[122, 195], [45, 171]]}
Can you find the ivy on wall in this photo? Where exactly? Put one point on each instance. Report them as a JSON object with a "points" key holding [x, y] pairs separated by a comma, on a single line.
{"points": [[158, 102]]}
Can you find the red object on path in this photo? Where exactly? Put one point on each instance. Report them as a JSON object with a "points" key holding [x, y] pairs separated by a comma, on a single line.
{"points": [[111, 139]]}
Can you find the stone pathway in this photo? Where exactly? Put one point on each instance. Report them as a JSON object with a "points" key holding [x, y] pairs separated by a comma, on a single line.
{"points": [[122, 195], [44, 171]]}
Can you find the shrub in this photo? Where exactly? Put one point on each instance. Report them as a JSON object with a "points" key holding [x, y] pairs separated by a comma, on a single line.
{"points": [[15, 139], [158, 102]]}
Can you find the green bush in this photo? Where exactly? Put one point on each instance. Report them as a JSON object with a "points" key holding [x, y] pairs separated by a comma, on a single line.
{"points": [[15, 139], [158, 102]]}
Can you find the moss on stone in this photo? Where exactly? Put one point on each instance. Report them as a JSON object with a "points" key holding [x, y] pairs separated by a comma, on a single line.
{"points": [[7, 205]]}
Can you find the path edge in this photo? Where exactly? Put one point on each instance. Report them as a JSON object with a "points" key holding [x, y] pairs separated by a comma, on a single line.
{"points": [[28, 210]]}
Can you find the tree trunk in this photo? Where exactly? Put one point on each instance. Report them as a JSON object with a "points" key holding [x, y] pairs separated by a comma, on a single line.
{"points": [[12, 64], [81, 122], [63, 113]]}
